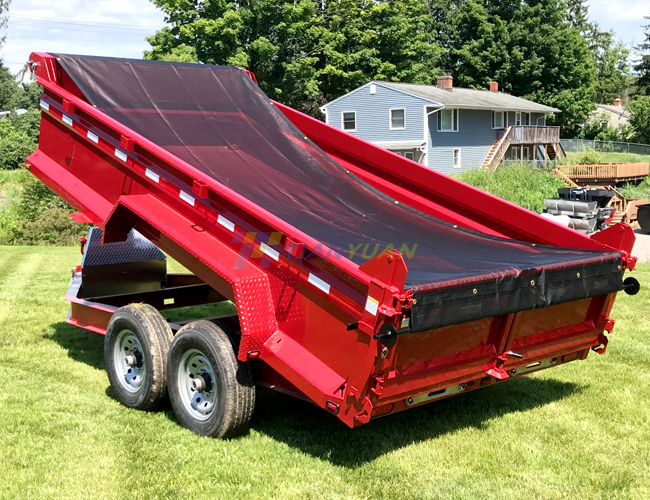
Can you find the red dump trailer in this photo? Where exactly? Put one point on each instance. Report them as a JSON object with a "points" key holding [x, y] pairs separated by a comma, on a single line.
{"points": [[363, 282]]}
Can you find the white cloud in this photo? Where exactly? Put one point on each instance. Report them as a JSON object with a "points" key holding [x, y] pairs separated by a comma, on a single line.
{"points": [[625, 19], [129, 22]]}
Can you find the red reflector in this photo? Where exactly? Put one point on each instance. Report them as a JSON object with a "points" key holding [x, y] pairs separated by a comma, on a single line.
{"points": [[382, 410], [333, 407], [253, 354]]}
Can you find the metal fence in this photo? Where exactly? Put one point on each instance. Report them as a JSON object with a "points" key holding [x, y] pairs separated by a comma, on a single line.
{"points": [[576, 145]]}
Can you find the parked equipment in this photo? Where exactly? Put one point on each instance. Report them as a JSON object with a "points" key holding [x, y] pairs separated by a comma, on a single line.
{"points": [[364, 283], [587, 209]]}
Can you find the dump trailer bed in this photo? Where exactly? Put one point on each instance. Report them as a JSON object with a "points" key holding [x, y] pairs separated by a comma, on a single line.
{"points": [[363, 282]]}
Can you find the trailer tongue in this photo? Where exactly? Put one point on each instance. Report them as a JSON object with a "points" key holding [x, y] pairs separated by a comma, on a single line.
{"points": [[363, 282]]}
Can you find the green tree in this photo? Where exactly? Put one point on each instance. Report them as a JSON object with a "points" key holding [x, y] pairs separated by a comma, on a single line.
{"points": [[613, 76], [578, 15], [643, 65], [25, 96], [4, 7], [530, 48], [8, 87], [639, 110], [305, 52]]}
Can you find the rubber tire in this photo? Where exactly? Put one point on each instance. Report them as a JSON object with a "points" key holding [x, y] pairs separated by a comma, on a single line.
{"points": [[236, 391], [155, 336]]}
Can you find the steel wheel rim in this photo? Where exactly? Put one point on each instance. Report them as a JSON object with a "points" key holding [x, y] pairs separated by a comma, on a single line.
{"points": [[197, 384], [128, 358]]}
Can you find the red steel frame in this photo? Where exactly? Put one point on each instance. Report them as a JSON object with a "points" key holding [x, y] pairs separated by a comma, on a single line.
{"points": [[303, 309]]}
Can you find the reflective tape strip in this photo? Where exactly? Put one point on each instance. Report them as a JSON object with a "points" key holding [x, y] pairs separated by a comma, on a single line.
{"points": [[152, 175], [230, 226], [67, 120], [186, 198], [372, 305], [319, 283], [44, 105], [121, 155], [269, 251], [92, 137]]}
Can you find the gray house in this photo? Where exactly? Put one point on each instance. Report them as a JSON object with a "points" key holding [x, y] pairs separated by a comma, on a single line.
{"points": [[447, 128]]}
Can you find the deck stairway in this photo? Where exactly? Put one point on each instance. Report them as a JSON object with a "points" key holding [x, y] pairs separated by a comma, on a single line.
{"points": [[498, 150]]}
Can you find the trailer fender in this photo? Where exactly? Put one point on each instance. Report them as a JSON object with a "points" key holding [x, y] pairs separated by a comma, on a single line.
{"points": [[248, 287]]}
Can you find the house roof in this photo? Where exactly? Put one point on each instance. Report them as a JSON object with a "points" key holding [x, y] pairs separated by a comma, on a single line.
{"points": [[617, 110], [470, 98]]}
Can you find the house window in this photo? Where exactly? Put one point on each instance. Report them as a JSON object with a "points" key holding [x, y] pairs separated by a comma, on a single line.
{"points": [[397, 119], [409, 155], [498, 119], [526, 119], [448, 120], [518, 118], [349, 119], [457, 158]]}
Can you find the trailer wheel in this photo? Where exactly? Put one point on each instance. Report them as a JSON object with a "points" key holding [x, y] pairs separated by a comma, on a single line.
{"points": [[211, 391], [135, 353]]}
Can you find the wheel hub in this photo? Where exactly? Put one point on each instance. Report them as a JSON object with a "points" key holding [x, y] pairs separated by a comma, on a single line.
{"points": [[196, 383], [129, 360]]}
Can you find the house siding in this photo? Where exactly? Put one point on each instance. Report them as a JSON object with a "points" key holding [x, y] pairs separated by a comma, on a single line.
{"points": [[373, 118], [475, 138]]}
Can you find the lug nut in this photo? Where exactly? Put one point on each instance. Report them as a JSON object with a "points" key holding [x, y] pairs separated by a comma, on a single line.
{"points": [[130, 360]]}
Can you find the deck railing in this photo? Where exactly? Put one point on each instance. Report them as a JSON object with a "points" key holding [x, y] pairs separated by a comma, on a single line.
{"points": [[606, 171], [534, 134]]}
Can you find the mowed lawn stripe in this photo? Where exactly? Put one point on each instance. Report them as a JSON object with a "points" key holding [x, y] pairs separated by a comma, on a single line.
{"points": [[578, 431]]}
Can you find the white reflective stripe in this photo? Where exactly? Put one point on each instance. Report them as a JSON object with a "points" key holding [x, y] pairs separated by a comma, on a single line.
{"points": [[67, 120], [93, 137], [44, 105], [152, 175], [269, 251], [121, 155], [319, 283], [372, 305], [186, 198], [230, 226]]}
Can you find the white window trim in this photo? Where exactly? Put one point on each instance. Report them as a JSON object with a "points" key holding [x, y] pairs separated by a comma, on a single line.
{"points": [[518, 114], [455, 115], [412, 153], [530, 117], [453, 158], [390, 119], [505, 119], [343, 122]]}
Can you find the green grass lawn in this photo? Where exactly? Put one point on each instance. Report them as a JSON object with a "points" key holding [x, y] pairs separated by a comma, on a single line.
{"points": [[579, 431], [612, 157]]}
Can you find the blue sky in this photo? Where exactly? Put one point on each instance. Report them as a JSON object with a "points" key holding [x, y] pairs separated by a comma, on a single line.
{"points": [[118, 27]]}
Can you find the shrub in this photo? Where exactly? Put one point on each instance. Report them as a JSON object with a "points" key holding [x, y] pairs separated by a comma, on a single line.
{"points": [[54, 226], [520, 184], [37, 198], [587, 156], [15, 146]]}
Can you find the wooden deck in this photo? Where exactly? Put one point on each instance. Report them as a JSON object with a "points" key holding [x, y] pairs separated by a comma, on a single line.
{"points": [[604, 174], [533, 134]]}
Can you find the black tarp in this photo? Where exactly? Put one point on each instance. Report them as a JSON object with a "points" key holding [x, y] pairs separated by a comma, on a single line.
{"points": [[218, 120]]}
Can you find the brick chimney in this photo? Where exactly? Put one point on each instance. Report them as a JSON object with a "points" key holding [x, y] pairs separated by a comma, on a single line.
{"points": [[494, 86], [618, 102], [445, 82]]}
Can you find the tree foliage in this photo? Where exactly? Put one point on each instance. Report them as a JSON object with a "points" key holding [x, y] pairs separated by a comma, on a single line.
{"points": [[4, 7], [305, 52], [528, 47], [639, 110], [613, 79], [643, 65]]}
